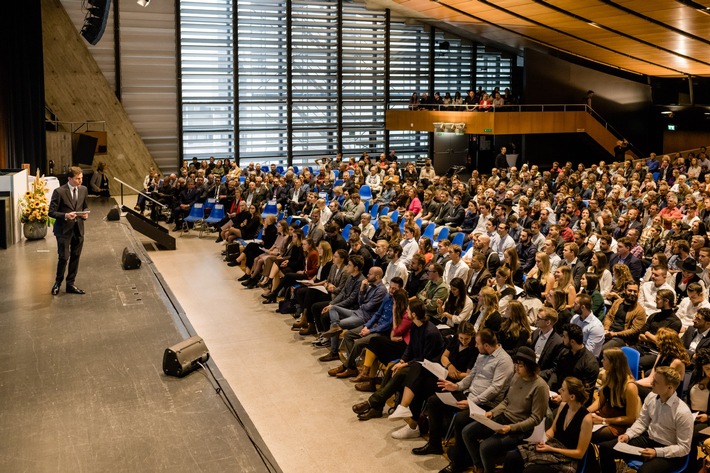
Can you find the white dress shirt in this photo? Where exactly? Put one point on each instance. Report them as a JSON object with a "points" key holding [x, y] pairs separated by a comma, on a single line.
{"points": [[593, 332], [669, 423]]}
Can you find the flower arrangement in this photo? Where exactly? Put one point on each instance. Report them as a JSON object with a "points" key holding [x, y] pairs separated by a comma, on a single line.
{"points": [[35, 207]]}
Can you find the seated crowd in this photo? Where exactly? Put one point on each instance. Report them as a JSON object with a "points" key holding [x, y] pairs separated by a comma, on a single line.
{"points": [[530, 290], [475, 100]]}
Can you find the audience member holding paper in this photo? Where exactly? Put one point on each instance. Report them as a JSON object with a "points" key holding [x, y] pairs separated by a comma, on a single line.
{"points": [[663, 430], [699, 402], [425, 342], [565, 443], [524, 407], [456, 362], [618, 404], [483, 386]]}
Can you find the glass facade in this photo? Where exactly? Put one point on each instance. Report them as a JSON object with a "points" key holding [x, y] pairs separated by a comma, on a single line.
{"points": [[292, 81]]}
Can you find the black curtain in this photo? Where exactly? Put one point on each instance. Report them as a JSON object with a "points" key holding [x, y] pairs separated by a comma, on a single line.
{"points": [[22, 129]]}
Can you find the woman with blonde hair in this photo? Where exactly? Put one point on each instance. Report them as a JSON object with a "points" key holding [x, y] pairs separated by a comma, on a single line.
{"points": [[622, 275], [486, 314], [671, 352], [565, 283], [542, 271], [618, 404], [515, 329]]}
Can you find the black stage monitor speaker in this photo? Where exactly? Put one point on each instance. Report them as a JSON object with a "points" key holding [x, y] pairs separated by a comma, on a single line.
{"points": [[130, 259], [181, 359], [114, 214]]}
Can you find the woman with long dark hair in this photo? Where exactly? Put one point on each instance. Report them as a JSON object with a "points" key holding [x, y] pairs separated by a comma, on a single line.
{"points": [[458, 307], [567, 440], [590, 284]]}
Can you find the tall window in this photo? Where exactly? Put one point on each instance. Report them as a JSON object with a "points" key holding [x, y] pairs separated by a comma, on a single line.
{"points": [[493, 69], [251, 90]]}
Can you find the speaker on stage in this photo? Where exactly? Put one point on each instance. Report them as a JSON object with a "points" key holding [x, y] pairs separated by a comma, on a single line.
{"points": [[181, 359], [114, 214], [130, 260]]}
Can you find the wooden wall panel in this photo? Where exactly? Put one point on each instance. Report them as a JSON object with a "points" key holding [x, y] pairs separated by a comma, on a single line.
{"points": [[505, 123], [76, 90]]}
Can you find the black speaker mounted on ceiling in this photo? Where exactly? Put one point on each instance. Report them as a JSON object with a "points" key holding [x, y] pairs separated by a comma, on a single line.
{"points": [[95, 20]]}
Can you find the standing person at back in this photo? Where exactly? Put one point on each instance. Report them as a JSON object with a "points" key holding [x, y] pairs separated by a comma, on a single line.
{"points": [[68, 208]]}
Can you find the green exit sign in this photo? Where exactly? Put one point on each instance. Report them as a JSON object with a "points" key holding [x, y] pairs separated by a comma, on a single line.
{"points": [[488, 130], [671, 127]]}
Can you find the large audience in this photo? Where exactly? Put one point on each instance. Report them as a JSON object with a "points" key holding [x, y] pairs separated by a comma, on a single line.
{"points": [[512, 320]]}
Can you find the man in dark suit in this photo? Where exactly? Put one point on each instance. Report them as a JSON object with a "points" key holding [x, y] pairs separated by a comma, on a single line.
{"points": [[698, 336], [623, 256], [297, 196], [585, 254], [479, 276], [546, 342], [69, 210], [570, 252]]}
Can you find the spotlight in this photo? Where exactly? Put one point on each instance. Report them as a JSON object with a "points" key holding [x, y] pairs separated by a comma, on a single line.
{"points": [[143, 3]]}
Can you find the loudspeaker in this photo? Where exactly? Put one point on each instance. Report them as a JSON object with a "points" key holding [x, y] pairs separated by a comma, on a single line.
{"points": [[130, 260], [85, 148], [95, 20], [114, 214], [182, 358]]}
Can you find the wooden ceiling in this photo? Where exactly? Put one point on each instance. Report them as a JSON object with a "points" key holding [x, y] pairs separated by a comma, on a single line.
{"points": [[662, 38]]}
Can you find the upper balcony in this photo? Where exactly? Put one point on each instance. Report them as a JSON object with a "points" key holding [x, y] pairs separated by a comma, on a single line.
{"points": [[506, 120]]}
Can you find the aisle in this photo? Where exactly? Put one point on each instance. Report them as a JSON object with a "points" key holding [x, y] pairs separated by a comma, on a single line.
{"points": [[303, 415]]}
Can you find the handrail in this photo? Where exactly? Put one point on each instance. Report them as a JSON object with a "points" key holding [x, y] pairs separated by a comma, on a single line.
{"points": [[75, 127], [521, 108], [141, 193]]}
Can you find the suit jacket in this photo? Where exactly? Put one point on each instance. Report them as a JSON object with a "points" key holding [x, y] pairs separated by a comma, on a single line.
{"points": [[578, 271], [688, 337], [303, 193], [480, 282], [62, 203], [635, 265], [550, 352]]}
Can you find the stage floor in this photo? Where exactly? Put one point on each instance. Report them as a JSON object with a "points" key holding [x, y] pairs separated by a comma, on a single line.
{"points": [[82, 387]]}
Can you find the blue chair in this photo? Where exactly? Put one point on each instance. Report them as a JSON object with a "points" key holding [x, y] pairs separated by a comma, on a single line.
{"points": [[264, 168], [374, 210], [288, 220], [305, 229], [457, 240], [242, 179], [280, 169], [351, 172], [310, 168], [376, 224], [209, 205], [216, 215], [338, 182], [346, 231], [295, 169], [636, 464], [444, 233], [224, 179], [197, 214], [656, 175], [419, 223], [324, 196], [270, 209], [468, 246], [395, 216], [633, 357], [429, 232], [384, 211], [280, 216], [367, 206], [401, 226], [365, 193]]}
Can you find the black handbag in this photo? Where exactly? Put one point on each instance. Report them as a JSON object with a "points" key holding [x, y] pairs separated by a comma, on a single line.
{"points": [[233, 252]]}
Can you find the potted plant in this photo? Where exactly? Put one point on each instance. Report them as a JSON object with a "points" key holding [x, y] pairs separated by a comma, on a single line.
{"points": [[35, 210]]}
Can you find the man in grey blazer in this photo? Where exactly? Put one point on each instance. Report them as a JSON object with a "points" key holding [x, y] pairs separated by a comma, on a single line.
{"points": [[69, 210]]}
